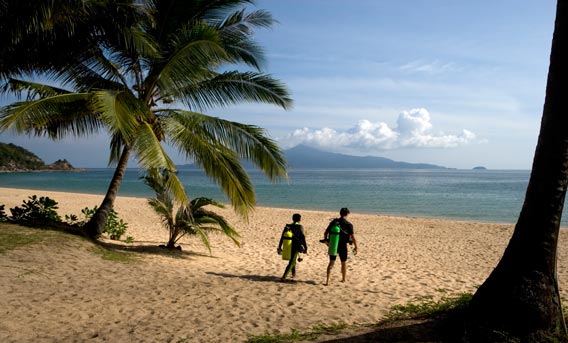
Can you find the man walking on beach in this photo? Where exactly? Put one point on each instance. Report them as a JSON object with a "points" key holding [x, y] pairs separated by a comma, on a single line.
{"points": [[299, 244], [346, 235]]}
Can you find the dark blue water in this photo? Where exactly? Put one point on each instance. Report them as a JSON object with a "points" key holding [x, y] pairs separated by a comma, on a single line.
{"points": [[493, 196]]}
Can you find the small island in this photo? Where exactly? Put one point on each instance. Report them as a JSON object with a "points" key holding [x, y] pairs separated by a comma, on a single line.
{"points": [[479, 168], [15, 159]]}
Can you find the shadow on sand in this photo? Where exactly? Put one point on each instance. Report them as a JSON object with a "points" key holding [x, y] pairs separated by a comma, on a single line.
{"points": [[445, 328], [151, 249], [262, 278]]}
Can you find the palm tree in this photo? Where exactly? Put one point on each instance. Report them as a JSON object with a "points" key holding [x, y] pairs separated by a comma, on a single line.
{"points": [[172, 52], [521, 295], [191, 219]]}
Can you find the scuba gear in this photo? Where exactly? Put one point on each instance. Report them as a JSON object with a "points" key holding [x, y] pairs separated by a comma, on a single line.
{"points": [[287, 244], [333, 239]]}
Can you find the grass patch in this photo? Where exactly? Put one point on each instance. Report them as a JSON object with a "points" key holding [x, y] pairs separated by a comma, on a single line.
{"points": [[296, 335], [114, 255], [423, 309], [428, 307], [14, 236]]}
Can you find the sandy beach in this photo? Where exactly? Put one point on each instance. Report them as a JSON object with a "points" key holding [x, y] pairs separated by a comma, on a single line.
{"points": [[66, 293]]}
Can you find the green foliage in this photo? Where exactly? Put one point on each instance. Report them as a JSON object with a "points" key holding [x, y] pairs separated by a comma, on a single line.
{"points": [[122, 66], [114, 227], [114, 255], [428, 306], [36, 209], [3, 215], [16, 157], [13, 237], [191, 219], [296, 335]]}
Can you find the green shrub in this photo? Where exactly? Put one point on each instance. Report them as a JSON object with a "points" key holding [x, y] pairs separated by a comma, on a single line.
{"points": [[114, 226], [3, 216], [36, 209]]}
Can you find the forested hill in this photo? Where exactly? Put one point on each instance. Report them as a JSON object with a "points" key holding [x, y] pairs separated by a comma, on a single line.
{"points": [[14, 158], [303, 156]]}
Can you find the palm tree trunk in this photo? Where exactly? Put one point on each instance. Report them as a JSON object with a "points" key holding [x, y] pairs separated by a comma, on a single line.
{"points": [[94, 228], [521, 295]]}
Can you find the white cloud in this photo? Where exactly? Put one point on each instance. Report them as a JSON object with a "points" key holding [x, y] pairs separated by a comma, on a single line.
{"points": [[413, 130], [434, 67]]}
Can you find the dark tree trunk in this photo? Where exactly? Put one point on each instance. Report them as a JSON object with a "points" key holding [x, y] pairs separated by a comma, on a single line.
{"points": [[521, 295], [94, 228]]}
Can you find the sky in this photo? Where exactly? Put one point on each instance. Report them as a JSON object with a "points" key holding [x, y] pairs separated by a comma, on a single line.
{"points": [[449, 82]]}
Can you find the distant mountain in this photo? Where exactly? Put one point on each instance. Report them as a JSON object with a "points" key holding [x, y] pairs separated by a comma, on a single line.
{"points": [[14, 158], [304, 157]]}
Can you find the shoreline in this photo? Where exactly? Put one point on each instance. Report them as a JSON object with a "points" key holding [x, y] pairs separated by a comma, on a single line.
{"points": [[399, 259], [38, 191]]}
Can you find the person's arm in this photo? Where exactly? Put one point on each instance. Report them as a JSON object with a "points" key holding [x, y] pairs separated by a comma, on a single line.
{"points": [[279, 248], [354, 243], [304, 242]]}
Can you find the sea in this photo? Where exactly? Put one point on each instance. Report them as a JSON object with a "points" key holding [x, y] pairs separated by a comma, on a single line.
{"points": [[470, 195]]}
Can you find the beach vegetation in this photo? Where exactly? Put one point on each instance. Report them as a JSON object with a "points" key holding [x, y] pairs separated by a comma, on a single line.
{"points": [[42, 209], [12, 237], [521, 296], [3, 215], [115, 227], [296, 335], [193, 219], [144, 72], [114, 255], [429, 306]]}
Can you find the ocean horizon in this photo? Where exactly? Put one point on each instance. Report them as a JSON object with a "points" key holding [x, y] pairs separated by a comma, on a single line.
{"points": [[470, 195]]}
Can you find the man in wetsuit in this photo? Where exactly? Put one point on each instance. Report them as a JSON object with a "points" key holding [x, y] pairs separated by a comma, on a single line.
{"points": [[299, 244], [346, 235]]}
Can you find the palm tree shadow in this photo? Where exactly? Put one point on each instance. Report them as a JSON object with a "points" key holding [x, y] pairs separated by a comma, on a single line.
{"points": [[448, 328], [260, 278], [152, 250]]}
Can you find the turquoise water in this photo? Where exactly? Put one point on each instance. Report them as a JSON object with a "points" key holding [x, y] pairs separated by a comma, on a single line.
{"points": [[489, 196]]}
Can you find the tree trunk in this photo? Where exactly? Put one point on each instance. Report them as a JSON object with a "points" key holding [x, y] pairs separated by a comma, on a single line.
{"points": [[94, 228], [521, 296]]}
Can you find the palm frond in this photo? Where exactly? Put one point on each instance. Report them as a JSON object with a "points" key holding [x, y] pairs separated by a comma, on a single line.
{"points": [[247, 141], [232, 88], [236, 33], [54, 116], [190, 55], [121, 112], [220, 223], [191, 138], [31, 90]]}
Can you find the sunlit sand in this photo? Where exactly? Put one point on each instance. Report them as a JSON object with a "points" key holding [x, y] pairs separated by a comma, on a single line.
{"points": [[67, 293]]}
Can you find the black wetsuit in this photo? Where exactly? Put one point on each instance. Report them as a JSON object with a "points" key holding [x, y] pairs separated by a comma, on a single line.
{"points": [[344, 234]]}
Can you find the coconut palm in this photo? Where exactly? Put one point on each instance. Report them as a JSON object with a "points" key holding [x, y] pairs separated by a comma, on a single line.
{"points": [[521, 296], [129, 79], [189, 219]]}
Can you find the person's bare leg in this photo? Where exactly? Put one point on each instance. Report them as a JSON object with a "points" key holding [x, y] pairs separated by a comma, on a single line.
{"points": [[329, 267], [343, 270]]}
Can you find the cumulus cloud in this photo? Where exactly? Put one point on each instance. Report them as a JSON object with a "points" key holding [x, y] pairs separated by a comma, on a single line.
{"points": [[413, 130]]}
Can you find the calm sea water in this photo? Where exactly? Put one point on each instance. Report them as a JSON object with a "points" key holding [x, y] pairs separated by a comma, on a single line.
{"points": [[489, 196]]}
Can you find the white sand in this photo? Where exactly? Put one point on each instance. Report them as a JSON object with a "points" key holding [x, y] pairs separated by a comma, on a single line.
{"points": [[66, 293]]}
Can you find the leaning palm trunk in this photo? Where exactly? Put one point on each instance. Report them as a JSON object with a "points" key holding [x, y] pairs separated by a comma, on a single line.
{"points": [[94, 228], [521, 295]]}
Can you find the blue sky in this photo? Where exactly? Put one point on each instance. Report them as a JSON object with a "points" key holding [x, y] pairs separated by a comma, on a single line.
{"points": [[454, 83]]}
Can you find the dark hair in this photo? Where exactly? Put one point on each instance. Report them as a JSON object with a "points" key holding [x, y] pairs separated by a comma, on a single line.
{"points": [[344, 211], [296, 217]]}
